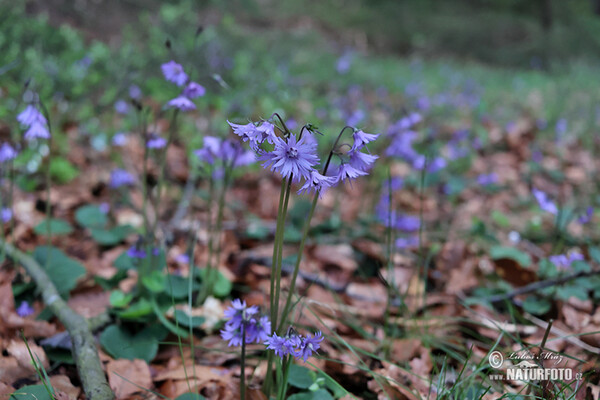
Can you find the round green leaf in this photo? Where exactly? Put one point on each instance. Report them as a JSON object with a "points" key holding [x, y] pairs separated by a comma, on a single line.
{"points": [[184, 319], [91, 216], [31, 392], [120, 343], [300, 377], [57, 227]]}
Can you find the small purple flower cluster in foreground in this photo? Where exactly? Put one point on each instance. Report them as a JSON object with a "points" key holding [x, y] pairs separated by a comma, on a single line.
{"points": [[174, 72], [296, 345], [243, 318], [296, 157], [244, 322], [35, 122], [545, 203], [564, 261]]}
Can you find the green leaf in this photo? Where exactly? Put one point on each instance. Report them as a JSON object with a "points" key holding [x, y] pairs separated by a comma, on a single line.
{"points": [[62, 171], [124, 262], [119, 299], [222, 286], [499, 252], [120, 343], [535, 305], [500, 219], [112, 236], [137, 310], [184, 319], [31, 392], [156, 281], [62, 269], [178, 286], [57, 227], [319, 394], [567, 291], [300, 377], [595, 254], [91, 216], [190, 396]]}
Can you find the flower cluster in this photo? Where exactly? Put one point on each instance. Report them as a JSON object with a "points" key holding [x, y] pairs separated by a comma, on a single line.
{"points": [[545, 203], [295, 157], [244, 323], [296, 345], [227, 151], [137, 251], [564, 261], [120, 177], [173, 72], [35, 122], [7, 153]]}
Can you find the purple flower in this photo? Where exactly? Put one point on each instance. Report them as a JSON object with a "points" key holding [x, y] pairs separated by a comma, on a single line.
{"points": [[6, 215], [361, 161], [228, 151], [316, 183], [37, 130], [182, 103], [282, 346], [121, 107], [361, 139], [487, 179], [436, 165], [407, 223], [243, 324], [355, 118], [563, 261], [25, 309], [135, 92], [119, 139], [174, 72], [545, 203], [31, 115], [308, 346], [291, 157], [587, 217], [156, 142], [193, 90], [344, 63], [104, 208], [183, 258], [7, 152], [120, 177], [347, 172], [136, 252], [411, 241]]}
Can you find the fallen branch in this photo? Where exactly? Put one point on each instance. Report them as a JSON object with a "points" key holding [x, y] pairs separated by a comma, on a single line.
{"points": [[535, 286], [84, 349]]}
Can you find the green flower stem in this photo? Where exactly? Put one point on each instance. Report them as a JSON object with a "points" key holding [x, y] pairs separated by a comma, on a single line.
{"points": [[288, 301], [278, 233], [205, 290], [162, 167], [280, 253], [283, 385], [306, 228]]}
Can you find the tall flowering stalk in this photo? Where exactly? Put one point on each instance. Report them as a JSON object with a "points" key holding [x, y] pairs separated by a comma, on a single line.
{"points": [[295, 158]]}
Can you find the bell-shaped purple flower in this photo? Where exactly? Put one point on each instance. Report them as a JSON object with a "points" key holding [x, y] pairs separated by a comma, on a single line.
{"points": [[194, 90], [174, 72], [182, 103]]}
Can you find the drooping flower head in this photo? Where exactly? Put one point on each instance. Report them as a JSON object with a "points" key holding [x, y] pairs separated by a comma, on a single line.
{"points": [[294, 344], [291, 157], [7, 152], [120, 177], [174, 72], [156, 142], [545, 203], [361, 139], [25, 309], [244, 323], [193, 90], [36, 123], [347, 172], [121, 106], [182, 103], [316, 183]]}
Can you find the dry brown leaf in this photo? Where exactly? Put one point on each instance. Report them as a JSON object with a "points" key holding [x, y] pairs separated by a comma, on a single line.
{"points": [[122, 372], [11, 370], [90, 304], [63, 384], [10, 321], [18, 349]]}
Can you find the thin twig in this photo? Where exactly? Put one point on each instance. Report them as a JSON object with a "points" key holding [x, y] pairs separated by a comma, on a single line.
{"points": [[532, 287], [84, 349]]}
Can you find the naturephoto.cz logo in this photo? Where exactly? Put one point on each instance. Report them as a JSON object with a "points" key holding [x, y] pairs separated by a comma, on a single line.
{"points": [[526, 366]]}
